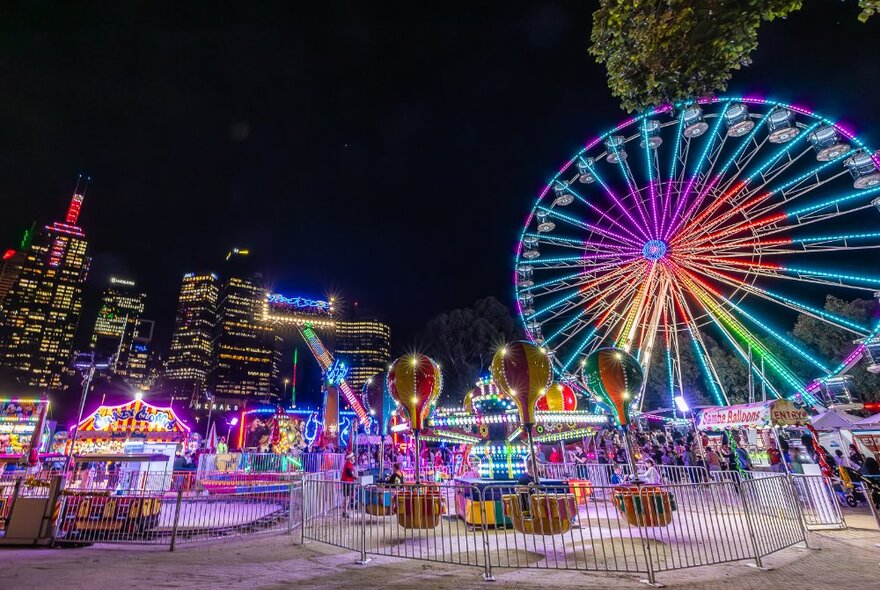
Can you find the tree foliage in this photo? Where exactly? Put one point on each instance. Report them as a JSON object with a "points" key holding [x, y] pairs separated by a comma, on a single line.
{"points": [[464, 340], [869, 9], [835, 344], [664, 51]]}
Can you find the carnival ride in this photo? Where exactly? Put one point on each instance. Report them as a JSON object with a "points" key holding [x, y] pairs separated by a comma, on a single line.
{"points": [[717, 218], [307, 316]]}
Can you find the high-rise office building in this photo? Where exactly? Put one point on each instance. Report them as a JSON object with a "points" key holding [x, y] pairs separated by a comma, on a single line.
{"points": [[118, 322], [41, 309], [365, 349], [11, 263], [247, 349], [134, 365], [192, 342]]}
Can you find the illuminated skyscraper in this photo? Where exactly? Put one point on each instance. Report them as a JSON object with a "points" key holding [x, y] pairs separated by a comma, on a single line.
{"points": [[40, 311], [364, 347], [247, 349], [192, 343], [119, 317]]}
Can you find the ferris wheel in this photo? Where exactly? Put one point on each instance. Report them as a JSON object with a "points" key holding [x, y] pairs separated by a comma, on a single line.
{"points": [[716, 221]]}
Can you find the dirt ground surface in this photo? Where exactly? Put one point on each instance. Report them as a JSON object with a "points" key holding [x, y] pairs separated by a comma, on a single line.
{"points": [[848, 558]]}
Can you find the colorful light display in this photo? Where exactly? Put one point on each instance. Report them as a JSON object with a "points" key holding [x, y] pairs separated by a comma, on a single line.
{"points": [[522, 371], [614, 377], [654, 244], [415, 382], [560, 397]]}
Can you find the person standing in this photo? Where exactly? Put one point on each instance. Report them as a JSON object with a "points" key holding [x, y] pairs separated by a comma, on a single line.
{"points": [[347, 477], [713, 460]]}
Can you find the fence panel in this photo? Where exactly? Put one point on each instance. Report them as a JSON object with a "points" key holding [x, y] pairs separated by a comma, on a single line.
{"points": [[817, 501], [774, 513], [330, 514], [144, 517], [200, 518], [427, 522], [689, 525], [97, 516]]}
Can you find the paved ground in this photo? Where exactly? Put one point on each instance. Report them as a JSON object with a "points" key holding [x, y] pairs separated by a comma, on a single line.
{"points": [[847, 559]]}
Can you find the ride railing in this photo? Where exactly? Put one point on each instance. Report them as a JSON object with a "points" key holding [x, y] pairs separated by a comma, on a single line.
{"points": [[558, 525], [144, 517], [270, 462]]}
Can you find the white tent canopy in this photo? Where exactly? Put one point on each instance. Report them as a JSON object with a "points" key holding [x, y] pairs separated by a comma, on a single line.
{"points": [[873, 421], [833, 420]]}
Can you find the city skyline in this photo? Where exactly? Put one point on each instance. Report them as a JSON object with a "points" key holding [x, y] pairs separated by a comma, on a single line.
{"points": [[225, 345]]}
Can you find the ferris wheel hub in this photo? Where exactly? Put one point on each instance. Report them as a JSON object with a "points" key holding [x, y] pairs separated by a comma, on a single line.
{"points": [[654, 249]]}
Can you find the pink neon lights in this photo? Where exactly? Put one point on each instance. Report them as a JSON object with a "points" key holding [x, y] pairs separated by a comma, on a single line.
{"points": [[73, 209]]}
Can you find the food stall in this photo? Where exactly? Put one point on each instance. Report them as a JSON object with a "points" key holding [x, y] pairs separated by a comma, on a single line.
{"points": [[132, 429], [757, 425], [23, 426]]}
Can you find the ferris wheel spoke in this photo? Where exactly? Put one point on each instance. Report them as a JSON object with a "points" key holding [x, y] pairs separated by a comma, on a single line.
{"points": [[667, 202], [804, 275], [583, 262], [586, 306], [625, 338], [608, 234], [785, 340], [603, 215], [788, 192], [667, 340], [648, 336], [650, 161], [614, 199], [788, 302], [727, 322], [726, 192], [625, 273], [683, 196], [700, 350], [604, 308], [804, 215], [744, 356], [578, 244]]}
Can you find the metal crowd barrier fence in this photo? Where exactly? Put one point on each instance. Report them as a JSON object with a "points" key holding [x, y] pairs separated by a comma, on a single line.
{"points": [[772, 514], [628, 529], [143, 517], [817, 502]]}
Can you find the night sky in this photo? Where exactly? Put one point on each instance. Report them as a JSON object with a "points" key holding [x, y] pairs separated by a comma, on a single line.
{"points": [[387, 153]]}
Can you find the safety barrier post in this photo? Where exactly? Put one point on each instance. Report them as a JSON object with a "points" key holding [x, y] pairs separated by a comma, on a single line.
{"points": [[362, 513], [176, 519], [488, 576], [290, 508], [751, 526], [642, 529], [797, 506]]}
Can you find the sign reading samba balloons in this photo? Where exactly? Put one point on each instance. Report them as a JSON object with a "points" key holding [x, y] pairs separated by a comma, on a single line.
{"points": [[560, 397], [522, 371], [614, 377], [414, 382]]}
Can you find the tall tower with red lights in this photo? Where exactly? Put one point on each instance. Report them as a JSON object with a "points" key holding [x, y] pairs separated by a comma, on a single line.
{"points": [[40, 312]]}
